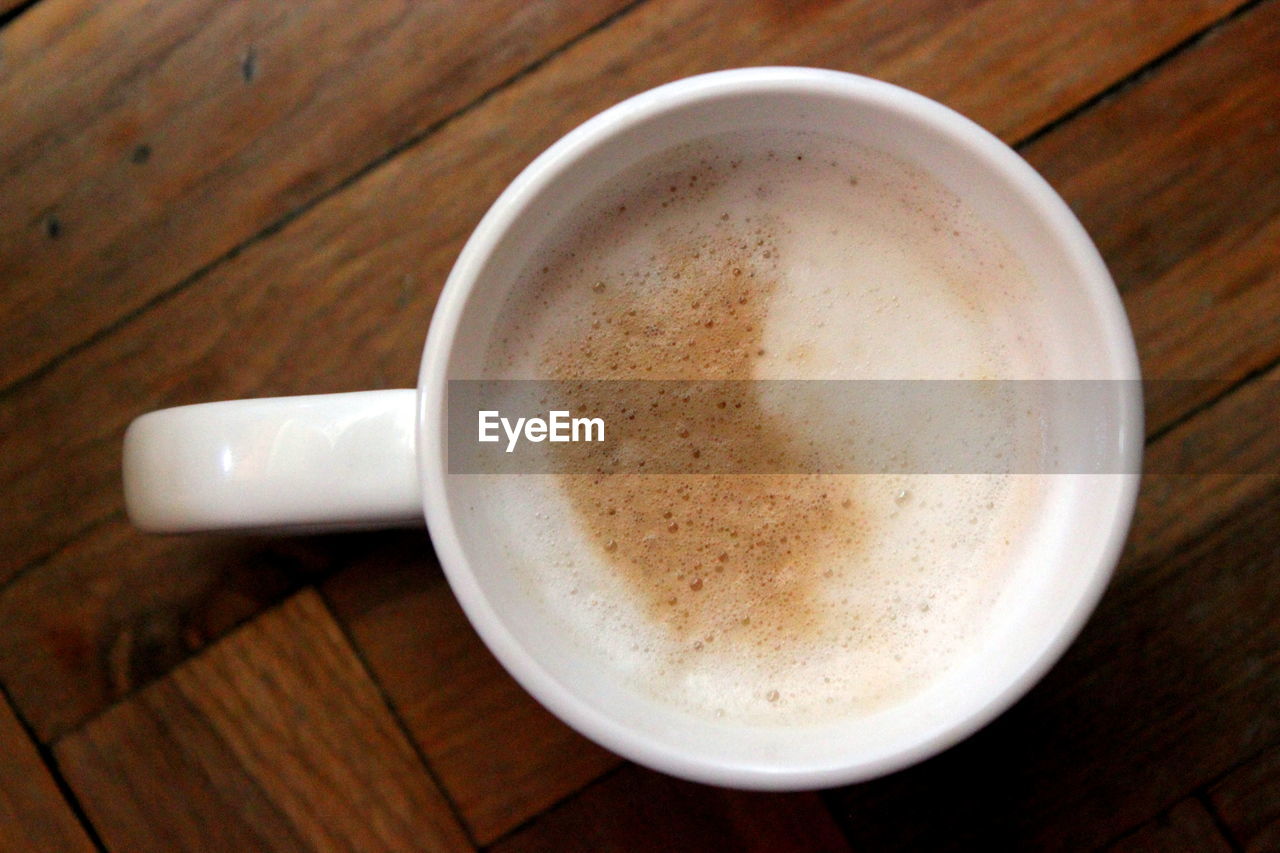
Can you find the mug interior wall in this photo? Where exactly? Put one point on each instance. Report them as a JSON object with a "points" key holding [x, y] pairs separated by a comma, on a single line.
{"points": [[1057, 567]]}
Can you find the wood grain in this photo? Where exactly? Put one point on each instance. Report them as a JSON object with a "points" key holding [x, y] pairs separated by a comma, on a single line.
{"points": [[1176, 180], [33, 813], [145, 192], [1185, 826], [501, 756], [7, 6], [370, 261], [340, 297], [1248, 800], [1174, 509], [637, 809], [1170, 687], [1197, 101], [179, 130], [143, 605], [274, 739], [1225, 292]]}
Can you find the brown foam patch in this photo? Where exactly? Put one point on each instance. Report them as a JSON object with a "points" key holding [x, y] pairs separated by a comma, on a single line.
{"points": [[714, 558]]}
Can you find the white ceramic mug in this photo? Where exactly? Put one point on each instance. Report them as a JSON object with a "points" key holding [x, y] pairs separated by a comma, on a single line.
{"points": [[378, 458]]}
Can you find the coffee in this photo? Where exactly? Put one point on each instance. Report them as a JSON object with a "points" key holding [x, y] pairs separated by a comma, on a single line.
{"points": [[766, 597]]}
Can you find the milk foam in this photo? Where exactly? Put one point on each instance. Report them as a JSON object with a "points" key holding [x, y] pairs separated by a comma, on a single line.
{"points": [[768, 598]]}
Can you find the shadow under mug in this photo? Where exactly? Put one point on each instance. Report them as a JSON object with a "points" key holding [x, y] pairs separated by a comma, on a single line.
{"points": [[379, 458]]}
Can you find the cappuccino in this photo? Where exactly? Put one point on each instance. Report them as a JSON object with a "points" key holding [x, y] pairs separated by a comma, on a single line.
{"points": [[766, 597]]}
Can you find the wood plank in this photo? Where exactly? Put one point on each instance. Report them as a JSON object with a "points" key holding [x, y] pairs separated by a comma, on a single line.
{"points": [[1175, 179], [1175, 680], [1198, 101], [7, 6], [366, 345], [1248, 800], [1185, 826], [33, 813], [340, 297], [1173, 508], [1224, 292], [146, 139], [637, 809], [498, 753], [123, 609], [275, 739], [151, 166]]}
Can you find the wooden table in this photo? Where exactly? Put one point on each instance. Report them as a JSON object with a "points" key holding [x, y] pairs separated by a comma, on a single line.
{"points": [[204, 200]]}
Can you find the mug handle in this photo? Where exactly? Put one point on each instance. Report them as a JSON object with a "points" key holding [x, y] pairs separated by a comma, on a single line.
{"points": [[281, 464]]}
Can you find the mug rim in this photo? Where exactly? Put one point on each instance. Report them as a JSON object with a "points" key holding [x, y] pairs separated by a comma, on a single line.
{"points": [[506, 211]]}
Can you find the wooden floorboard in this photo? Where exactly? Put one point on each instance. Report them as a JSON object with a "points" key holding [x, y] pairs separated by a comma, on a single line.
{"points": [[340, 298], [207, 201], [1176, 509], [117, 633], [10, 7], [274, 739], [501, 756], [637, 809], [34, 815], [1175, 179], [202, 123], [1188, 825], [1248, 799], [181, 130]]}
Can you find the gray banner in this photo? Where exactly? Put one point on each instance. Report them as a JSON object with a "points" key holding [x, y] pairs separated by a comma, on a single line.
{"points": [[807, 426]]}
